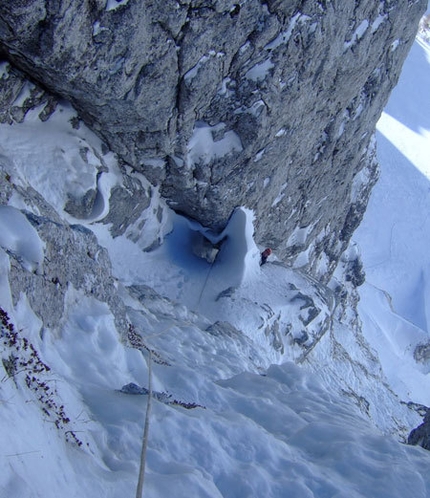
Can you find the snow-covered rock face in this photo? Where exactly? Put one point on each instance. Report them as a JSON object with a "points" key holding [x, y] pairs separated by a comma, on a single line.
{"points": [[96, 271], [265, 104], [89, 292]]}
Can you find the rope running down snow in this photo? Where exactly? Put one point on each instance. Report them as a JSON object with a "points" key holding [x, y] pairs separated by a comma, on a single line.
{"points": [[204, 285], [139, 490]]}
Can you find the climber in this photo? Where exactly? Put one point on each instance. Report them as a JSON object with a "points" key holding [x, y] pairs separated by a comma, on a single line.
{"points": [[264, 255]]}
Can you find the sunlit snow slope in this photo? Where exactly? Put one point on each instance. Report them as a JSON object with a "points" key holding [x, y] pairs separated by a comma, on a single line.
{"points": [[395, 234]]}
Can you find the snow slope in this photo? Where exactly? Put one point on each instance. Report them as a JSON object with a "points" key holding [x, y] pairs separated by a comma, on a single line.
{"points": [[395, 233], [278, 433], [233, 416]]}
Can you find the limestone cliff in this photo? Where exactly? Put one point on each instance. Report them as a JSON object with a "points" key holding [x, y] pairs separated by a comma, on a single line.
{"points": [[268, 104]]}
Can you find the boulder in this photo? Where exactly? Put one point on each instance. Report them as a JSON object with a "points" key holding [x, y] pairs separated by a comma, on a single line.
{"points": [[421, 435]]}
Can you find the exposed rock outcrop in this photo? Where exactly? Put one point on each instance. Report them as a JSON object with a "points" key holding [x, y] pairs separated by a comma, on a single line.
{"points": [[270, 104], [422, 354], [421, 435]]}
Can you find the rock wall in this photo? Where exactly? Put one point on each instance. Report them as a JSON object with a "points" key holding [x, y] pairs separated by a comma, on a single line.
{"points": [[271, 105], [72, 258]]}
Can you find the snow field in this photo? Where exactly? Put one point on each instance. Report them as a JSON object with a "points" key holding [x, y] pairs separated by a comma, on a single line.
{"points": [[395, 234], [276, 433], [61, 163]]}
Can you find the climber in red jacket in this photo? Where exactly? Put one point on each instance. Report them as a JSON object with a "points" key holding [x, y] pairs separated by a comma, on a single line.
{"points": [[264, 255]]}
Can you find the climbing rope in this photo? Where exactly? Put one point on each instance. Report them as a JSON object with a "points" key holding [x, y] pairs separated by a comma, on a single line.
{"points": [[139, 490], [204, 284]]}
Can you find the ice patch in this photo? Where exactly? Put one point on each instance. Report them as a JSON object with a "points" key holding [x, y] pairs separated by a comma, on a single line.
{"points": [[280, 196], [155, 162], [378, 21], [114, 4], [192, 73], [285, 36], [358, 34], [245, 47], [361, 178], [260, 71], [24, 94], [20, 238], [203, 148], [322, 266], [224, 90], [4, 69], [358, 111], [303, 258], [255, 109], [299, 236], [259, 155], [345, 118], [394, 45], [239, 257], [97, 28]]}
